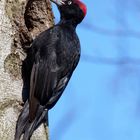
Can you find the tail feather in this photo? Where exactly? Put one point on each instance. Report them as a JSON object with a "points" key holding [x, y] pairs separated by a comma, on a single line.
{"points": [[22, 121], [24, 126]]}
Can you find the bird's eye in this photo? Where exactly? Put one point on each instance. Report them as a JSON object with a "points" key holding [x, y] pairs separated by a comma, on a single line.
{"points": [[69, 2]]}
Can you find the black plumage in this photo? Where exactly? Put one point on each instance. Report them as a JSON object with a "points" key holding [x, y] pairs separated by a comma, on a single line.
{"points": [[49, 65]]}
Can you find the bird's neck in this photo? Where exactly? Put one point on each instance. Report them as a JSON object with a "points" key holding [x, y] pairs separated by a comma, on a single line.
{"points": [[68, 23]]}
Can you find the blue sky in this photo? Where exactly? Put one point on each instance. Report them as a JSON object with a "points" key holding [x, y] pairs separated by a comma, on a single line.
{"points": [[102, 100]]}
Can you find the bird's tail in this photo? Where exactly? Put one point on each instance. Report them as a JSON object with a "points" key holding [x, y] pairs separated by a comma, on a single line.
{"points": [[24, 126]]}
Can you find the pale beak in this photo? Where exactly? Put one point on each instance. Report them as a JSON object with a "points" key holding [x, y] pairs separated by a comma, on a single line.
{"points": [[58, 2]]}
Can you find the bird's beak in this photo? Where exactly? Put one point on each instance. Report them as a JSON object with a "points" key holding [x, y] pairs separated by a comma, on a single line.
{"points": [[58, 2]]}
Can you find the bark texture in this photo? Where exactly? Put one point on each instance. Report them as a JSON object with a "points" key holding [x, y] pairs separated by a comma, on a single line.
{"points": [[20, 22]]}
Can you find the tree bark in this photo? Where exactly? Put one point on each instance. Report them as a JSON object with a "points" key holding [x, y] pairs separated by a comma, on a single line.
{"points": [[20, 22]]}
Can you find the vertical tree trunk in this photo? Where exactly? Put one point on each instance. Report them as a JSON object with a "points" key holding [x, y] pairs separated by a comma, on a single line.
{"points": [[20, 22]]}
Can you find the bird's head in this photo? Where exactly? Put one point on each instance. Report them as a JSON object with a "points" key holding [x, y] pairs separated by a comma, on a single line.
{"points": [[74, 10]]}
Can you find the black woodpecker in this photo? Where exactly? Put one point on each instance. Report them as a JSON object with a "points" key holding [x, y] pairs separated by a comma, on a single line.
{"points": [[49, 65]]}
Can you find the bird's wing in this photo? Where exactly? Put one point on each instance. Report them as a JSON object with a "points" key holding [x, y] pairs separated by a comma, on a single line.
{"points": [[43, 81], [47, 84]]}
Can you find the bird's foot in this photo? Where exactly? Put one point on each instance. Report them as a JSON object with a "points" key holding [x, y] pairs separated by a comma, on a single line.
{"points": [[21, 103]]}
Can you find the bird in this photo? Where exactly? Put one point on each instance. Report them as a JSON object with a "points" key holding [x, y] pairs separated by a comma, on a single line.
{"points": [[49, 65]]}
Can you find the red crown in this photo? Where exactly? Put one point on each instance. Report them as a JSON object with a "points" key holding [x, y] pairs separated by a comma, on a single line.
{"points": [[82, 6]]}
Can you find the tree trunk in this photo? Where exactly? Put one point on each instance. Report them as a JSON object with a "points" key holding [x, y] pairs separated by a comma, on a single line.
{"points": [[20, 22]]}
